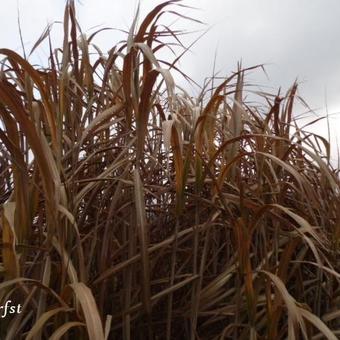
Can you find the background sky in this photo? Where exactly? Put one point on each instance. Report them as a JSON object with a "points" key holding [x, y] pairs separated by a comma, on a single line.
{"points": [[294, 38]]}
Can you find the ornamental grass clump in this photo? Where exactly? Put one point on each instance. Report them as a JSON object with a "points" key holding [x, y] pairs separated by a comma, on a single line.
{"points": [[132, 210]]}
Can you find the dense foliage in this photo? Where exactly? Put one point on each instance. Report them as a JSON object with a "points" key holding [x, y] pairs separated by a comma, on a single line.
{"points": [[131, 210]]}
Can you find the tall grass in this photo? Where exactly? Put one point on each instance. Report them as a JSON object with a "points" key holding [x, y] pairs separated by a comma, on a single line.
{"points": [[130, 210]]}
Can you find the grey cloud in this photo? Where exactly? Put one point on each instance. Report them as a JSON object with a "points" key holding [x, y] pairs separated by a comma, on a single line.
{"points": [[297, 38]]}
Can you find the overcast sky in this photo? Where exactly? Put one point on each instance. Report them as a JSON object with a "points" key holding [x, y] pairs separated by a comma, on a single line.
{"points": [[295, 38]]}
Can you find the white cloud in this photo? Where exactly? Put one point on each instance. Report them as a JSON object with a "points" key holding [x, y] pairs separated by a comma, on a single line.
{"points": [[297, 38]]}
